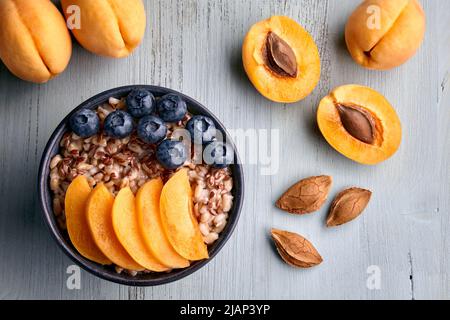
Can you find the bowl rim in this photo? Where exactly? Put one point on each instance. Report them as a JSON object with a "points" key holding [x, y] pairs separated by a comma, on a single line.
{"points": [[99, 270]]}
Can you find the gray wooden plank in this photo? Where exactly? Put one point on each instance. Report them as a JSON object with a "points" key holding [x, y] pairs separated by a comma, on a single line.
{"points": [[195, 47], [430, 270]]}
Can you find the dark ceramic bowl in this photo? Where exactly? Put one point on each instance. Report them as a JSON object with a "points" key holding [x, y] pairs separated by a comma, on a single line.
{"points": [[108, 272]]}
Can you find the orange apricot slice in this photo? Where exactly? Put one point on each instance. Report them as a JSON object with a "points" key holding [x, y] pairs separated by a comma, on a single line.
{"points": [[281, 59], [99, 216], [77, 195], [178, 219], [360, 123], [149, 219], [125, 224]]}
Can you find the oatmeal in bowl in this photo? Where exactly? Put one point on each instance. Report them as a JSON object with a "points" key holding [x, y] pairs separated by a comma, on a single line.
{"points": [[141, 185]]}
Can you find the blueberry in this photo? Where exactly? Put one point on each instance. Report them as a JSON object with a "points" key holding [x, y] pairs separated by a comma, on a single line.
{"points": [[151, 129], [118, 124], [171, 154], [218, 154], [140, 103], [85, 123], [171, 108], [202, 129]]}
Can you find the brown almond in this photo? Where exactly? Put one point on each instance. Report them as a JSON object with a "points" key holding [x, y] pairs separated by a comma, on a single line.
{"points": [[280, 56], [295, 250], [348, 205], [306, 196], [358, 122]]}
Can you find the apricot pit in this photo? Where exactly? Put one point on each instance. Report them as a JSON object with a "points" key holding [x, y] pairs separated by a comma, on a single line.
{"points": [[360, 123], [281, 59]]}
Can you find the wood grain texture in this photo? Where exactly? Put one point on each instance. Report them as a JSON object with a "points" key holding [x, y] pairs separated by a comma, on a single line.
{"points": [[194, 46]]}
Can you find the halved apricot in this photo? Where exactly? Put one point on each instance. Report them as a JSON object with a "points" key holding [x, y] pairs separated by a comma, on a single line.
{"points": [[149, 219], [360, 123], [178, 219], [281, 59], [76, 198], [99, 216], [125, 224]]}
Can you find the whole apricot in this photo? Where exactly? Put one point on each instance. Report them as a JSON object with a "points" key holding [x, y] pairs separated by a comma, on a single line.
{"points": [[383, 34], [112, 28], [35, 44], [360, 123], [281, 59]]}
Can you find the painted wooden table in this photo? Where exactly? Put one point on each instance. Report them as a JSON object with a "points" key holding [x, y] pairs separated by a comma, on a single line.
{"points": [[403, 238]]}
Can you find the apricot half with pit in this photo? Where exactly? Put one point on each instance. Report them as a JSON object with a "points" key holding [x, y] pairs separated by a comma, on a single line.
{"points": [[383, 34], [281, 59], [360, 123]]}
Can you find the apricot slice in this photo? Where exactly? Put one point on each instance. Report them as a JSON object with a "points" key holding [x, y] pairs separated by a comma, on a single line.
{"points": [[149, 219], [125, 224], [281, 59], [360, 123], [178, 219], [99, 216], [77, 195], [383, 34]]}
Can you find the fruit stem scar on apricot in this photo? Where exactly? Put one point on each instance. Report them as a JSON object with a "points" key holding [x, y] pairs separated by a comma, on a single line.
{"points": [[358, 122], [280, 56]]}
